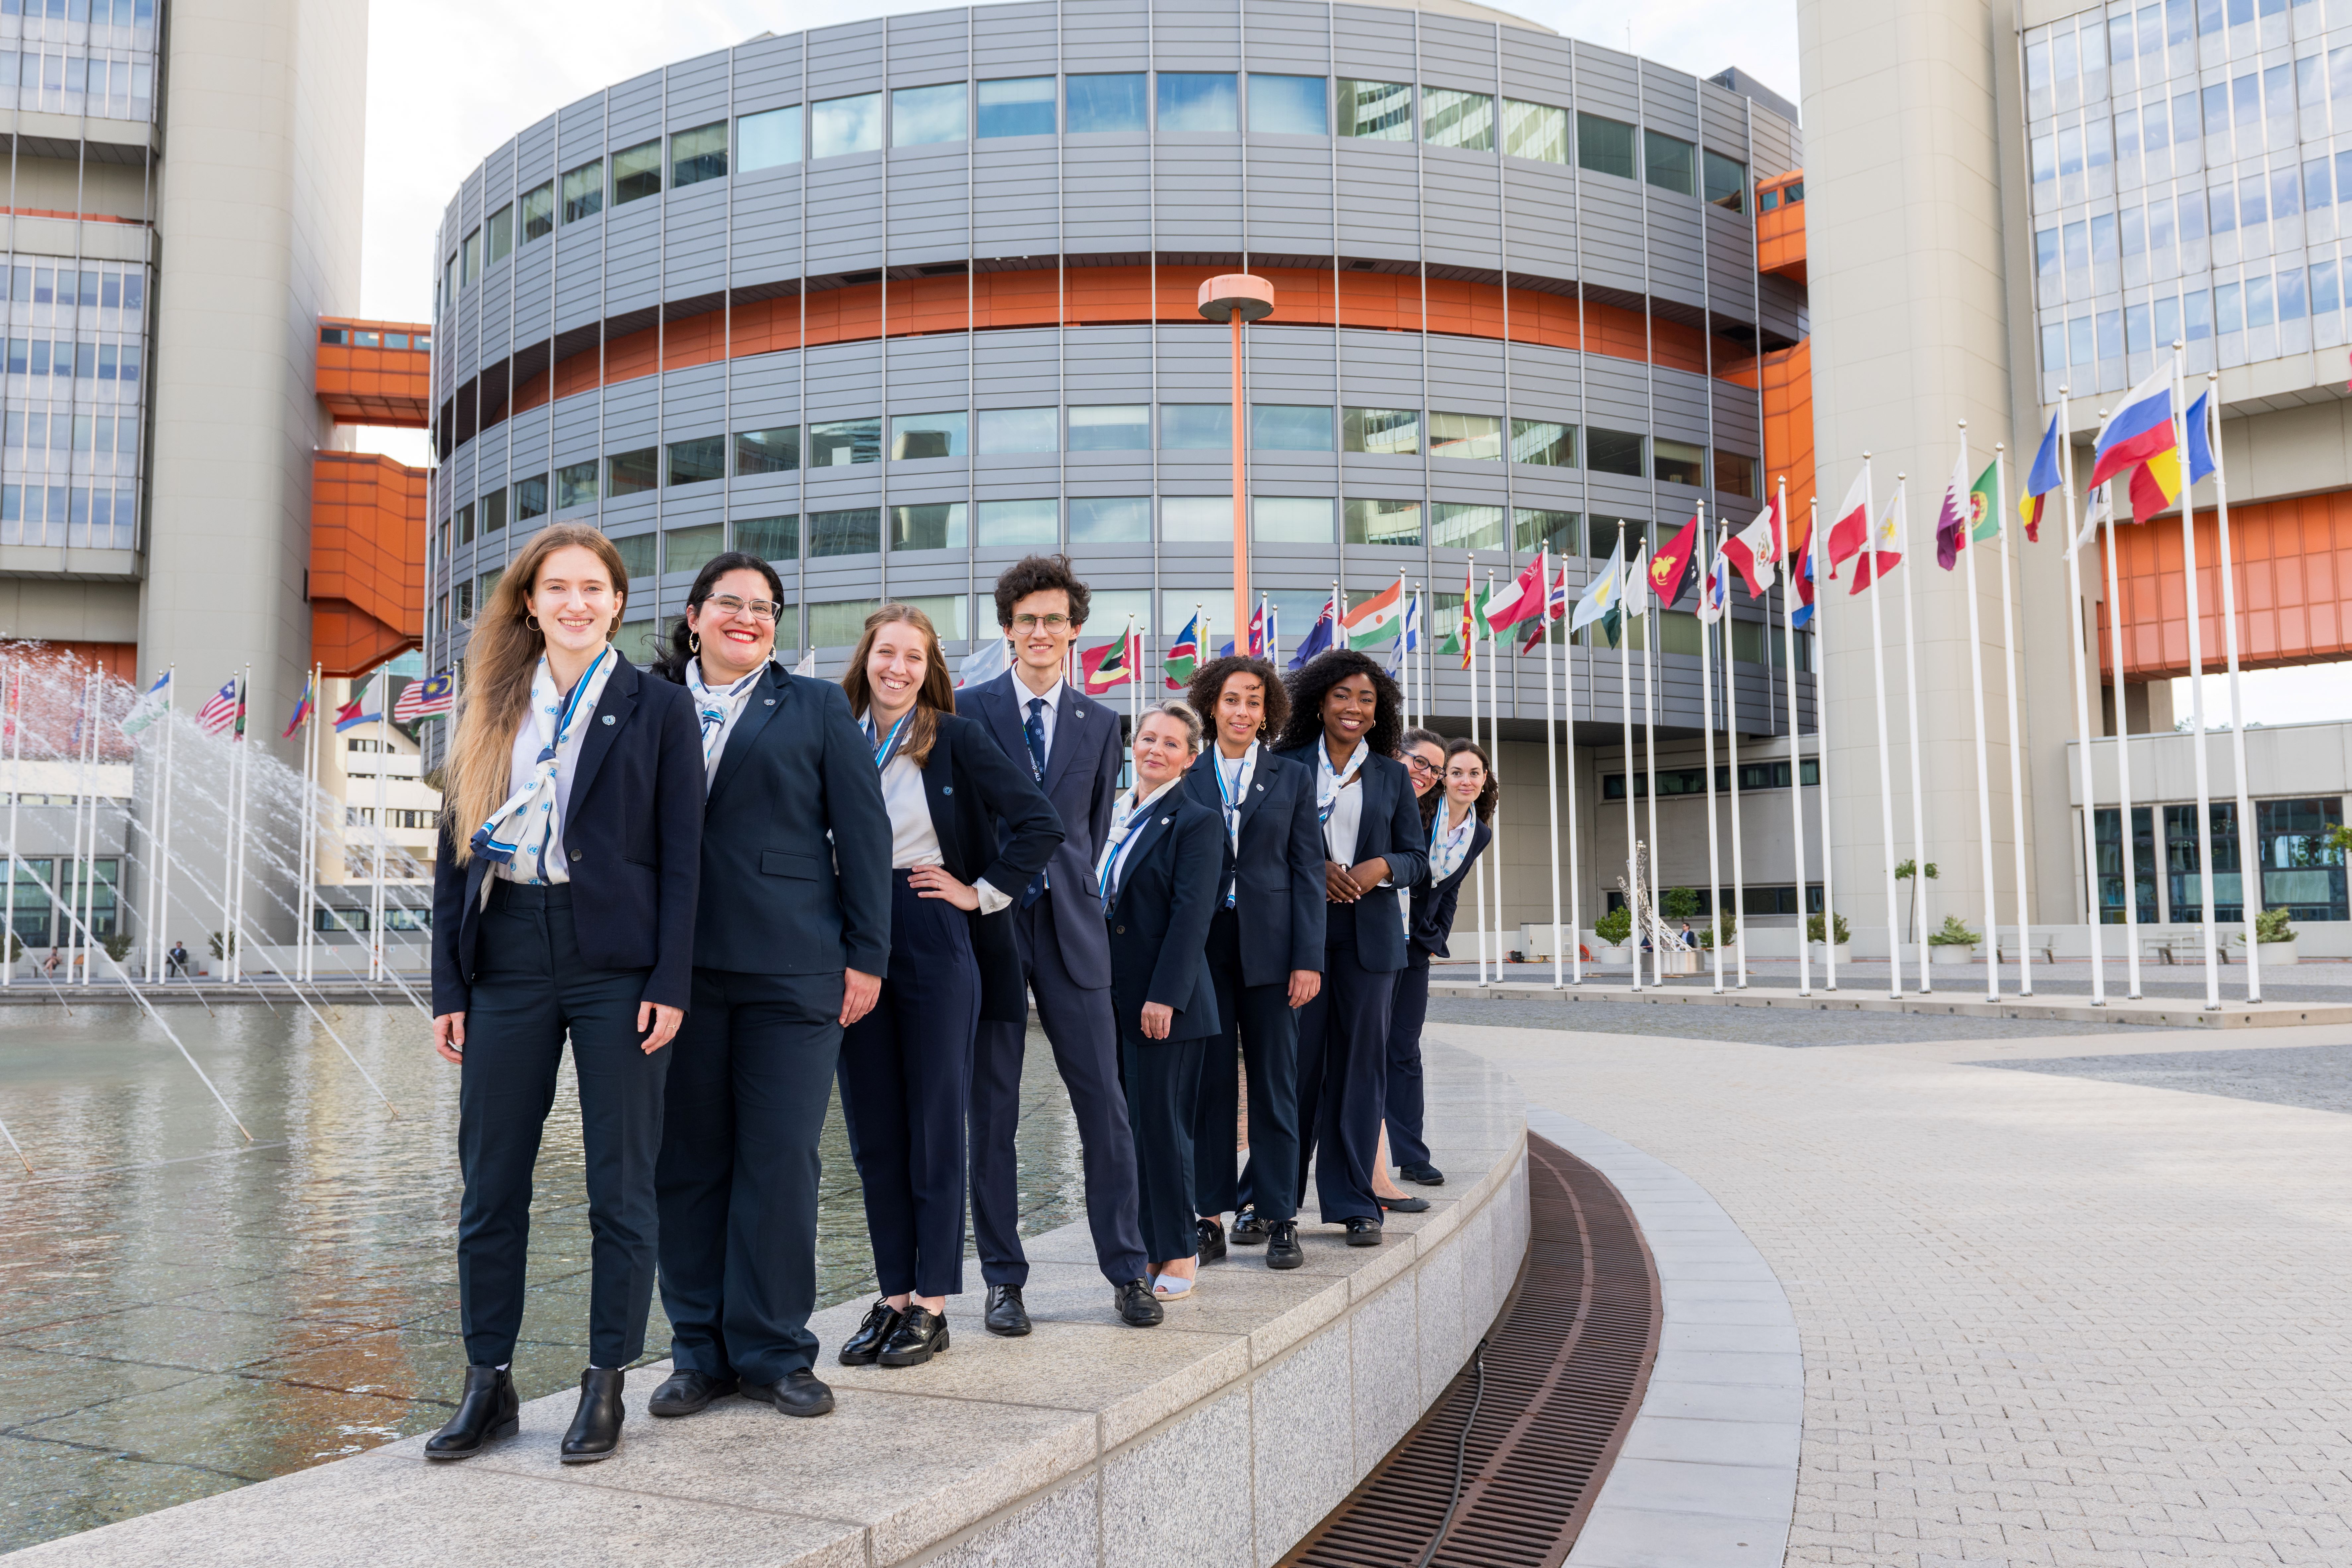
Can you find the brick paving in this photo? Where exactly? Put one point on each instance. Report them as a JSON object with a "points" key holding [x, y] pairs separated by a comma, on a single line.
{"points": [[2317, 1077], [2047, 1319]]}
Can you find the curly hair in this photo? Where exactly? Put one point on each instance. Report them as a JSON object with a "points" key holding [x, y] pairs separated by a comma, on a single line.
{"points": [[1039, 574], [1309, 686], [1209, 684]]}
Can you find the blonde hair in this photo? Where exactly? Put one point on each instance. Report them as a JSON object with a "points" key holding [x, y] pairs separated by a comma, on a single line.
{"points": [[500, 663], [935, 696], [1183, 712]]}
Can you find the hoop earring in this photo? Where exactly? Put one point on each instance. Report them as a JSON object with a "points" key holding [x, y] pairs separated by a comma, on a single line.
{"points": [[532, 621], [694, 642]]}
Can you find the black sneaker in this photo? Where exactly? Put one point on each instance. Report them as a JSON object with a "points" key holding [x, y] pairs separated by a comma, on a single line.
{"points": [[1282, 1249], [1211, 1239], [1248, 1229]]}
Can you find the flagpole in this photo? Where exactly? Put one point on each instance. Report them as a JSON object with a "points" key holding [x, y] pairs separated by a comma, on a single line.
{"points": [[1625, 730], [1650, 764], [12, 692], [1731, 743], [89, 878], [1984, 772], [2016, 747], [2249, 866], [1575, 934], [77, 868], [1478, 878], [1707, 734], [244, 798], [383, 761], [1494, 771], [309, 964], [1886, 769], [163, 888], [1911, 693], [1786, 569], [2081, 707], [1551, 755], [2122, 759], [1822, 745], [2196, 695]]}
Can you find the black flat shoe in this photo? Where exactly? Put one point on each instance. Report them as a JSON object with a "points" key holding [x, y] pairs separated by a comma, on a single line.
{"points": [[596, 1431], [1405, 1205], [1282, 1249], [486, 1413], [690, 1393], [1423, 1174], [862, 1347], [1005, 1315], [1212, 1238], [1364, 1232], [1248, 1229], [798, 1393], [1137, 1307], [922, 1334]]}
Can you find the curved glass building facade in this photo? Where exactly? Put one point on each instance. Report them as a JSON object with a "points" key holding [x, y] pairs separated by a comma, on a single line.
{"points": [[896, 302]]}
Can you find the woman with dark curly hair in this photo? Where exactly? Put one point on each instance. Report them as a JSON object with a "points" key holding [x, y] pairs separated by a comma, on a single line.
{"points": [[1344, 724]]}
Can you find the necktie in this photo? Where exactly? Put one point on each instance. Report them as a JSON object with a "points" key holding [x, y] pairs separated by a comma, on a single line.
{"points": [[1033, 731]]}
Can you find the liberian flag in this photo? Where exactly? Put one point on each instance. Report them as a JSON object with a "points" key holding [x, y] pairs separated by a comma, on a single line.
{"points": [[220, 710], [1378, 618], [425, 699], [1756, 549], [2139, 432], [1849, 530], [2040, 481]]}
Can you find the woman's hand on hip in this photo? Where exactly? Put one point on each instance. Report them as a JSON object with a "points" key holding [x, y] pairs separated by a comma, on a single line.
{"points": [[1158, 1019], [449, 1037], [859, 992], [1305, 985], [663, 1021], [933, 883]]}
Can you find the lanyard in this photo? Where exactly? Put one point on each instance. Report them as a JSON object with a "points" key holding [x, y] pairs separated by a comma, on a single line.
{"points": [[888, 748]]}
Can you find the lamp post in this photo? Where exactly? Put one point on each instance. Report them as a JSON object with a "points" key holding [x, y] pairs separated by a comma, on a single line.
{"points": [[1236, 297]]}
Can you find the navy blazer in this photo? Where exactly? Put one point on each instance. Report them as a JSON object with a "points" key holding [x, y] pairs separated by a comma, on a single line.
{"points": [[1433, 902], [795, 839], [1389, 827], [971, 786], [633, 835], [1168, 886], [1082, 781], [1279, 898]]}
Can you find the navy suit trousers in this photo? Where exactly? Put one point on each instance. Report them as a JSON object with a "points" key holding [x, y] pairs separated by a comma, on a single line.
{"points": [[1406, 1144], [1343, 1038], [1259, 1025]]}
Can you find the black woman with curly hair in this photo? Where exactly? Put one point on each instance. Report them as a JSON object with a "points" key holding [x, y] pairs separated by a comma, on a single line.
{"points": [[1344, 724]]}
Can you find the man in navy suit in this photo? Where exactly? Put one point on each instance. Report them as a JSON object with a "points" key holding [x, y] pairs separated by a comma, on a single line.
{"points": [[1073, 747]]}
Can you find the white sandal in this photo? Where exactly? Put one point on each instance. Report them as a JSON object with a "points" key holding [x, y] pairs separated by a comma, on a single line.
{"points": [[1170, 1287]]}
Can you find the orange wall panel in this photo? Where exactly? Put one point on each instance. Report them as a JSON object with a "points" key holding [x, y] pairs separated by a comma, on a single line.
{"points": [[1781, 233], [367, 560], [2293, 563], [375, 386]]}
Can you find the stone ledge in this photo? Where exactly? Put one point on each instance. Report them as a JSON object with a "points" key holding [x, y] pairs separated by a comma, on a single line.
{"points": [[2154, 1012], [1230, 1430]]}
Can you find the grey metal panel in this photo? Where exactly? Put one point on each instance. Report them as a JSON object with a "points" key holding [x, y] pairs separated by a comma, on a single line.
{"points": [[1290, 197], [1107, 365], [1783, 304], [636, 110], [1289, 365], [1292, 37], [1375, 43], [1612, 233], [629, 516], [629, 415], [492, 344], [633, 257], [1775, 146], [1723, 121], [489, 467], [1015, 370], [1674, 247], [1616, 394], [1199, 181], [1187, 38], [1101, 35], [764, 390], [1552, 490], [497, 178], [1105, 201], [698, 91], [1466, 374], [922, 480], [1544, 384], [469, 200], [767, 73], [1456, 479], [1196, 473], [845, 381], [765, 495], [1373, 478], [535, 154], [1537, 66], [844, 60], [1460, 190], [1380, 203], [576, 427], [1380, 370], [1605, 83], [927, 373], [527, 437], [844, 215], [767, 239], [580, 128], [579, 273], [1028, 476], [1669, 101], [1195, 364], [694, 248], [1016, 40], [927, 48], [1013, 186], [1294, 473], [1109, 473], [1738, 418], [1542, 219], [1458, 53], [928, 205], [1614, 495], [1681, 404], [693, 401]]}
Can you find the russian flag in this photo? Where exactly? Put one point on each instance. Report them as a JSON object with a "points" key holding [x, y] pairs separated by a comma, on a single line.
{"points": [[2138, 431]]}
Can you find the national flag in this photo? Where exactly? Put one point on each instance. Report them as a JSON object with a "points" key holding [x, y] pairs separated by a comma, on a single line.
{"points": [[221, 708], [1378, 618], [1668, 566], [353, 714], [1113, 664], [1465, 636], [1317, 640], [990, 657], [1258, 631], [1881, 557], [432, 698], [153, 704], [1524, 598], [301, 710], [240, 710], [1952, 516], [807, 666], [1849, 530], [1555, 606], [1756, 549], [1802, 572], [2138, 431], [1984, 505], [1715, 591], [2201, 439], [2040, 480], [2093, 515], [2155, 484], [1603, 595], [1183, 655]]}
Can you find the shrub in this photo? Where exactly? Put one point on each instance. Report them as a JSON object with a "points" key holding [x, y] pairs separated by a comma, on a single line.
{"points": [[1614, 927], [2271, 925], [1813, 929], [217, 949], [118, 946], [1954, 934], [1706, 932], [1680, 903]]}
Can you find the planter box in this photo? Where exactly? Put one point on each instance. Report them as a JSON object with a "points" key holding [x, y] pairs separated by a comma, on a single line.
{"points": [[1950, 954], [1617, 956], [2274, 954], [1678, 961], [1818, 953]]}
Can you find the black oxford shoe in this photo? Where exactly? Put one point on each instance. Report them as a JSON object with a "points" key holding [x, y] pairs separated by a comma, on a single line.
{"points": [[862, 1347], [1362, 1232], [688, 1392], [797, 1393], [1282, 1248], [1421, 1174], [1211, 1239], [1007, 1315], [1137, 1307], [1248, 1229], [922, 1334], [486, 1413], [596, 1431]]}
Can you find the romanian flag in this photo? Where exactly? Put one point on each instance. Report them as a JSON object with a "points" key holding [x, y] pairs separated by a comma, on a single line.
{"points": [[2138, 433], [1668, 566], [2042, 482], [1849, 530]]}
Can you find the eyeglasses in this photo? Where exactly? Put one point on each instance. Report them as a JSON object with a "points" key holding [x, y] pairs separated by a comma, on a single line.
{"points": [[1420, 765], [762, 610], [1056, 624]]}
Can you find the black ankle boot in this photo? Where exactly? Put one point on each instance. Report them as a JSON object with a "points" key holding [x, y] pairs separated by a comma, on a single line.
{"points": [[596, 1427], [487, 1411]]}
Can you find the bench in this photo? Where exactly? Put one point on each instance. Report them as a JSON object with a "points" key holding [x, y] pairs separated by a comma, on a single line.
{"points": [[2181, 944], [2044, 946]]}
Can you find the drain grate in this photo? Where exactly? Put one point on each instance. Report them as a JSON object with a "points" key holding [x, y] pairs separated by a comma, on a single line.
{"points": [[1566, 1363]]}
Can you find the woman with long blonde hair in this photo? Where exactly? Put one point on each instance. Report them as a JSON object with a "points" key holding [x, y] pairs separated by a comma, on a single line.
{"points": [[563, 896], [906, 1067]]}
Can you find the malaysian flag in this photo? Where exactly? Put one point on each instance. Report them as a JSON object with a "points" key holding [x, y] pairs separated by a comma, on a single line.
{"points": [[425, 699], [221, 710]]}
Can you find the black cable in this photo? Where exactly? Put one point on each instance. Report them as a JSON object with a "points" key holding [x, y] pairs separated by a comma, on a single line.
{"points": [[1460, 1448]]}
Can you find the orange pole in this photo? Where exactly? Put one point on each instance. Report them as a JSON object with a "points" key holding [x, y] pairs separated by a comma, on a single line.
{"points": [[1240, 622]]}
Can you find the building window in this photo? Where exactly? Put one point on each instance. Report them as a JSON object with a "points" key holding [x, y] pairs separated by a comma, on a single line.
{"points": [[1017, 106], [1376, 111], [539, 211], [2300, 873], [1020, 524], [2183, 885], [1677, 462], [839, 623], [1535, 131], [1478, 437], [469, 257], [2107, 835], [466, 602], [840, 441], [838, 126], [1291, 520], [1018, 430], [1386, 432], [854, 532], [1290, 427], [1768, 201], [765, 141], [1196, 427], [772, 452], [699, 461], [637, 555], [697, 154], [1612, 451], [487, 584], [583, 191], [494, 511], [1110, 519], [1452, 119], [1727, 181], [531, 497], [1735, 474], [575, 485], [1543, 441], [938, 526], [1287, 105], [1533, 528], [1391, 522], [915, 437], [1196, 520], [501, 228], [690, 549], [1110, 428], [1464, 525], [1105, 102], [923, 116], [1666, 162], [1604, 146], [465, 523], [637, 171], [945, 610], [632, 473], [769, 538], [1197, 101]]}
